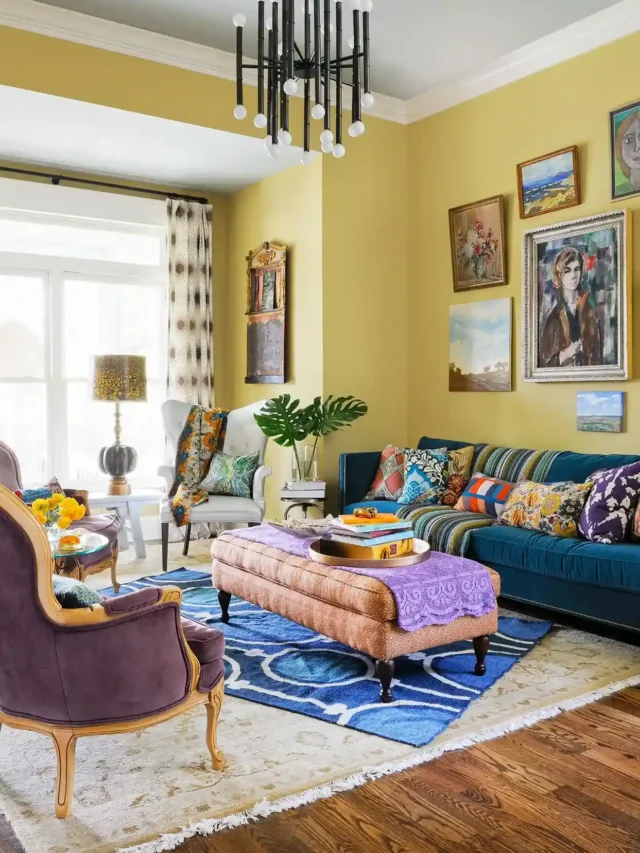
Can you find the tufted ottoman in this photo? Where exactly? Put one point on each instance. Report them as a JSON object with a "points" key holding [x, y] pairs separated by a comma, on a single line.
{"points": [[356, 610]]}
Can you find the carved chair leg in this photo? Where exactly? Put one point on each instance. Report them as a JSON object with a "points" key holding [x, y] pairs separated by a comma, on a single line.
{"points": [[65, 742], [165, 545], [214, 704], [114, 563], [480, 647], [187, 539]]}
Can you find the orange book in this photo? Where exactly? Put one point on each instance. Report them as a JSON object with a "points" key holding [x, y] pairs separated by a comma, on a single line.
{"points": [[381, 518]]}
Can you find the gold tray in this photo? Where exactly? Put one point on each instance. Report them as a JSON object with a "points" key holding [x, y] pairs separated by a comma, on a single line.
{"points": [[318, 551]]}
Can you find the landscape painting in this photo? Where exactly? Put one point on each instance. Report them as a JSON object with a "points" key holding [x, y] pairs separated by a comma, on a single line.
{"points": [[480, 346], [600, 411], [550, 182]]}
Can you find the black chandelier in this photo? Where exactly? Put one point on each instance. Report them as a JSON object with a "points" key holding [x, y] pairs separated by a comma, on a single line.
{"points": [[285, 64]]}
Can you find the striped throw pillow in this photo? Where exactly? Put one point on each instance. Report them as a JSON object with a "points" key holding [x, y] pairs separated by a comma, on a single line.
{"points": [[485, 494]]}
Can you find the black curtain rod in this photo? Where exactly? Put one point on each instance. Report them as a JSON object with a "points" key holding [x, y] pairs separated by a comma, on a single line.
{"points": [[57, 179]]}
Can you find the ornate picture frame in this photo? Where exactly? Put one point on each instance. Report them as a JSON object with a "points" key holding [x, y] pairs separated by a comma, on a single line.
{"points": [[625, 159], [478, 244], [266, 315], [577, 300], [549, 183]]}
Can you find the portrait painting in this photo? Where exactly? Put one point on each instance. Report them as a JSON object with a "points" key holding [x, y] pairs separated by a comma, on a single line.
{"points": [[478, 249], [576, 300], [550, 182], [480, 346], [600, 411], [625, 151]]}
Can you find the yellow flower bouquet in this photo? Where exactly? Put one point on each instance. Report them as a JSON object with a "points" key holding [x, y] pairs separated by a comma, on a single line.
{"points": [[56, 514]]}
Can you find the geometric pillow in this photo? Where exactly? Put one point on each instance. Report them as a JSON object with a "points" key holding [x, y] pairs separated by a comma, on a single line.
{"points": [[231, 475], [389, 480], [425, 477], [460, 462], [485, 494], [552, 508], [610, 507]]}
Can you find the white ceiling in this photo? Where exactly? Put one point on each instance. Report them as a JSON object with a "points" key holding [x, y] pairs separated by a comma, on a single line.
{"points": [[416, 44], [64, 134]]}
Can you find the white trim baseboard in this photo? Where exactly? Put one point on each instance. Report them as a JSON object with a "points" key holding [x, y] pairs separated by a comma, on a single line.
{"points": [[604, 27]]}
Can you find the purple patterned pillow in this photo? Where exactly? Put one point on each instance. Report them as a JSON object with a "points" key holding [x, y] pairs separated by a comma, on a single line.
{"points": [[611, 504]]}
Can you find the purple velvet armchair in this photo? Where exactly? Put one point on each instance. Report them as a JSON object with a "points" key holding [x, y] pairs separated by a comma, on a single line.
{"points": [[107, 525], [126, 664]]}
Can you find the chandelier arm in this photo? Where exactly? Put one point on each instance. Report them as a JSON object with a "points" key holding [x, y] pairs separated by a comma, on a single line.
{"points": [[260, 65], [338, 72], [276, 76], [355, 100], [317, 53], [287, 11], [239, 86], [290, 41], [270, 68], [366, 51], [327, 64], [307, 80]]}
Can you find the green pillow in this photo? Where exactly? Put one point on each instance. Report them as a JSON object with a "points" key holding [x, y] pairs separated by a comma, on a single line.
{"points": [[231, 475], [73, 594]]}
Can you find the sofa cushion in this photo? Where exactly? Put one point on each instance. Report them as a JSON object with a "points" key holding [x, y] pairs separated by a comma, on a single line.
{"points": [[425, 476], [580, 466], [389, 480], [485, 494], [615, 566], [610, 507], [459, 472], [205, 641], [427, 443], [231, 475], [552, 508], [381, 506]]}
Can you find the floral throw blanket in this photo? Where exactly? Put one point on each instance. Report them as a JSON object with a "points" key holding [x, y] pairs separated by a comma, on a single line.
{"points": [[202, 436]]}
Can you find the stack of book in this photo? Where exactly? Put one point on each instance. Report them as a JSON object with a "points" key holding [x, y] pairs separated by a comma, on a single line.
{"points": [[301, 490], [379, 538]]}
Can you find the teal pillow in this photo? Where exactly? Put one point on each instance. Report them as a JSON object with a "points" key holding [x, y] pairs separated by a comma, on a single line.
{"points": [[426, 473], [231, 475], [72, 594]]}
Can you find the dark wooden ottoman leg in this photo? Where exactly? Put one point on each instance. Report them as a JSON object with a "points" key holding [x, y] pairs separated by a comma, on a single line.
{"points": [[384, 671], [225, 600], [480, 647]]}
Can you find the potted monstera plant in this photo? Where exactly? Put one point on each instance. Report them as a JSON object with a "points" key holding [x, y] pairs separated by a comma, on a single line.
{"points": [[290, 425]]}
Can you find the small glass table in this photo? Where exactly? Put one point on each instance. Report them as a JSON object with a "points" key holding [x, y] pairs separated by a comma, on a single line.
{"points": [[67, 562]]}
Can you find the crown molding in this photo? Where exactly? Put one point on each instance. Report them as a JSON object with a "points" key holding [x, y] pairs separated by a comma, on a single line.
{"points": [[585, 35], [592, 32]]}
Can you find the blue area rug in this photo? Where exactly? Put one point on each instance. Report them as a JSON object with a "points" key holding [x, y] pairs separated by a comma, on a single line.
{"points": [[273, 661]]}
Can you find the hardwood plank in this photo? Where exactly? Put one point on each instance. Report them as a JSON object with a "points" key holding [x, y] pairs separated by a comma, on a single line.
{"points": [[626, 763], [628, 701], [603, 725]]}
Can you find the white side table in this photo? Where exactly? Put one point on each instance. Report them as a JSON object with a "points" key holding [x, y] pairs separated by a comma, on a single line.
{"points": [[127, 508]]}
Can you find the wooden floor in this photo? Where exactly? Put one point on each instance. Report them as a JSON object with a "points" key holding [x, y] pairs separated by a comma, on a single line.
{"points": [[567, 785]]}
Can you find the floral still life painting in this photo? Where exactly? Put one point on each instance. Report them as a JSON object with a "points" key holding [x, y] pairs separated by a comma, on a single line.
{"points": [[576, 315], [480, 346], [478, 250], [600, 411], [625, 151], [549, 183]]}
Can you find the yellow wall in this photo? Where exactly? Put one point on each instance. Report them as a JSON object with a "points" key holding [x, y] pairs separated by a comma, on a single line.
{"points": [[470, 152], [285, 208]]}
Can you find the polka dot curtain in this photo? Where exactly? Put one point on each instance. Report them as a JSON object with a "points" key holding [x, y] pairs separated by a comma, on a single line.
{"points": [[190, 357]]}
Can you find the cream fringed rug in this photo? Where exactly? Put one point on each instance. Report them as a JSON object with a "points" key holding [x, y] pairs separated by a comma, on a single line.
{"points": [[152, 789]]}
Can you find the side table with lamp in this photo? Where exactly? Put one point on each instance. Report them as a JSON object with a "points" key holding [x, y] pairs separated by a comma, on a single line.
{"points": [[118, 379]]}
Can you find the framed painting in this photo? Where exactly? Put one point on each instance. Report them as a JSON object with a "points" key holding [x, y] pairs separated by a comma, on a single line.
{"points": [[548, 183], [577, 300], [625, 151], [478, 247], [600, 411], [266, 314], [480, 346]]}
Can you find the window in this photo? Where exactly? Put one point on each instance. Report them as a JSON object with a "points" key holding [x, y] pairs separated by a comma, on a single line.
{"points": [[70, 288]]}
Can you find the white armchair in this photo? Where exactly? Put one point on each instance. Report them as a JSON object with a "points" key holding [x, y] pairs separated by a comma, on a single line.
{"points": [[243, 436]]}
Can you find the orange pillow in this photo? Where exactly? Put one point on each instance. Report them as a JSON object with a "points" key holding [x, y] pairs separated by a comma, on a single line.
{"points": [[485, 494]]}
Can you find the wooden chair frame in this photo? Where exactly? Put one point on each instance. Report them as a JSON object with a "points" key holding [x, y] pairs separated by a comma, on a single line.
{"points": [[65, 736]]}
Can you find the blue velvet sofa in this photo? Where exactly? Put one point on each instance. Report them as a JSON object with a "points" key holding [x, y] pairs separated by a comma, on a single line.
{"points": [[588, 579]]}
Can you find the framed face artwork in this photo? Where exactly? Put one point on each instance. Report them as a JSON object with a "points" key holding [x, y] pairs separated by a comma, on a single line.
{"points": [[548, 183], [577, 311], [625, 151], [478, 249]]}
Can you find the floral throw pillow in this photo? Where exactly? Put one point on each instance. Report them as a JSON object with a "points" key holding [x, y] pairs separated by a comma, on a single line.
{"points": [[460, 462], [231, 475], [554, 508], [425, 476], [389, 480], [611, 505]]}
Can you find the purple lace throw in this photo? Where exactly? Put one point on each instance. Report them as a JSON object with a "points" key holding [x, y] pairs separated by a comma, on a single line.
{"points": [[435, 592]]}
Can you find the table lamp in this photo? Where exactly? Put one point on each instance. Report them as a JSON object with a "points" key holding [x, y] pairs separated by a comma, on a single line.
{"points": [[119, 378]]}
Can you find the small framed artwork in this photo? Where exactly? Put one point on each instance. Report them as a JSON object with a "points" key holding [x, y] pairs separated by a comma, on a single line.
{"points": [[478, 246], [577, 300], [625, 151], [600, 411], [550, 182], [480, 346]]}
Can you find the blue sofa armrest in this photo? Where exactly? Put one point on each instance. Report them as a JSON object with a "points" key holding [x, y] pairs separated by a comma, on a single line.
{"points": [[357, 471]]}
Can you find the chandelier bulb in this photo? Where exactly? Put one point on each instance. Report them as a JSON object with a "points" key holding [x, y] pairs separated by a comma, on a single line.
{"points": [[285, 137], [290, 86], [352, 42], [339, 151], [240, 112], [274, 151], [267, 141], [357, 128], [307, 158], [366, 5], [326, 136], [239, 19], [260, 120], [368, 100], [318, 111], [268, 23], [327, 147]]}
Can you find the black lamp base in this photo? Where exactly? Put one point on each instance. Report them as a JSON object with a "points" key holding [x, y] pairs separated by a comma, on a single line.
{"points": [[117, 461]]}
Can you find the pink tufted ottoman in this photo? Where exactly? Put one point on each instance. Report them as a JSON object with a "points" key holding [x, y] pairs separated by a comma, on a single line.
{"points": [[356, 610]]}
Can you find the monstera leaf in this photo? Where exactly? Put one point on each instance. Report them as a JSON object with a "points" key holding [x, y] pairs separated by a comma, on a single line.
{"points": [[283, 420], [332, 415]]}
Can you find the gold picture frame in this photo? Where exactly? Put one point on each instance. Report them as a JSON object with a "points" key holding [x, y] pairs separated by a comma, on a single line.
{"points": [[549, 183], [478, 244]]}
